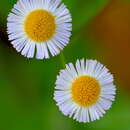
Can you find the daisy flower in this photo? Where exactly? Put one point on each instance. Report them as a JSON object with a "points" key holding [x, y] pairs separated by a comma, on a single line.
{"points": [[39, 27], [84, 91]]}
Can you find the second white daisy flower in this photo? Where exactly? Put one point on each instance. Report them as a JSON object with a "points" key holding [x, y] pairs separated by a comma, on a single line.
{"points": [[84, 91], [41, 24]]}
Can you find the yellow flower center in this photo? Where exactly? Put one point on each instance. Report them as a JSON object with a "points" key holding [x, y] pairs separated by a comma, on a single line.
{"points": [[40, 25], [85, 91]]}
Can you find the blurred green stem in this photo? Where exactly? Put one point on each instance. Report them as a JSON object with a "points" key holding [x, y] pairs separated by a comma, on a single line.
{"points": [[62, 59]]}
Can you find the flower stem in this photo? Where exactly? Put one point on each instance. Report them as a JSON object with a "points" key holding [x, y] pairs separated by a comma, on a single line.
{"points": [[62, 59]]}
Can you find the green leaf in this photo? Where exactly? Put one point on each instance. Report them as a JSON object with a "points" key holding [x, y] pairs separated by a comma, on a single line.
{"points": [[84, 10]]}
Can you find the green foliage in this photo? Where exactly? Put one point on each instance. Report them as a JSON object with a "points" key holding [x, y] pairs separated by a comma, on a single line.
{"points": [[83, 11]]}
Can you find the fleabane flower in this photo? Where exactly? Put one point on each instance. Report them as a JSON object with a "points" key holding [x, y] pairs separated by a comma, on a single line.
{"points": [[84, 91], [38, 28]]}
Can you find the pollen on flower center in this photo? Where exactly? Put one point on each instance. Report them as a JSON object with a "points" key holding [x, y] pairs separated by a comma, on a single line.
{"points": [[85, 90], [40, 25]]}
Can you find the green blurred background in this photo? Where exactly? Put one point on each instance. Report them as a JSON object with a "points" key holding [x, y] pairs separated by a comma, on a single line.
{"points": [[101, 30]]}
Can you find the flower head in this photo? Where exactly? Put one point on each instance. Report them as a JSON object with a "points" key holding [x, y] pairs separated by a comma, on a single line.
{"points": [[39, 26], [85, 91]]}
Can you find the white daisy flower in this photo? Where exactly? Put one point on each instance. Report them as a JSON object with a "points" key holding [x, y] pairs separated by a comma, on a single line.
{"points": [[85, 91], [41, 24]]}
